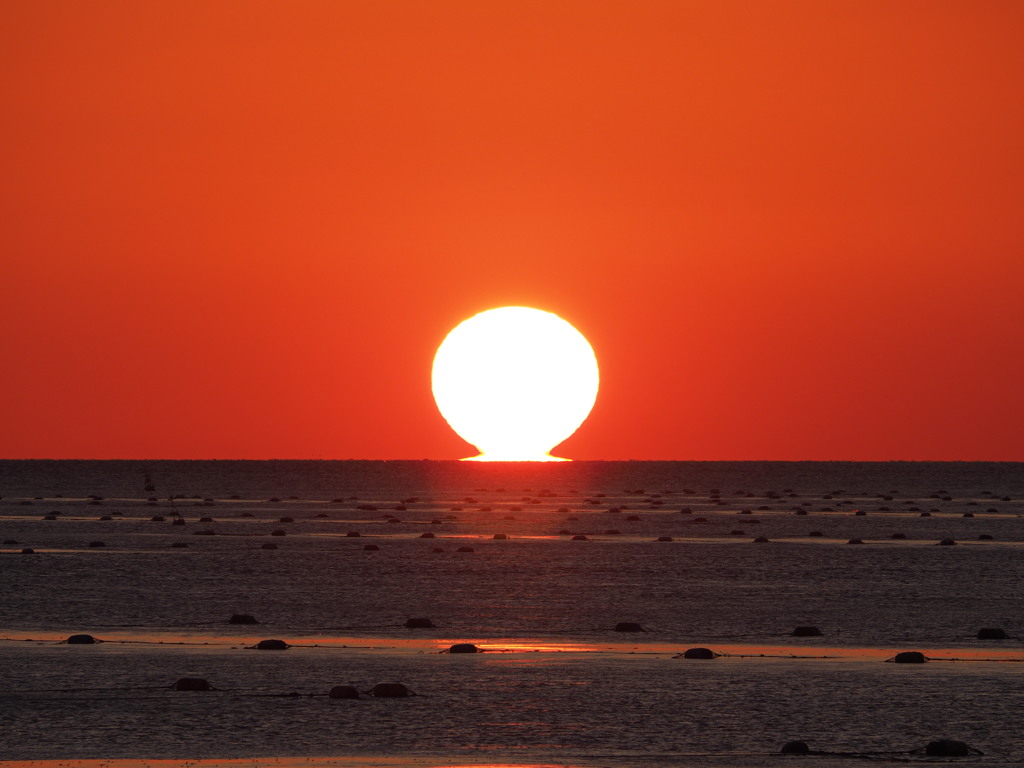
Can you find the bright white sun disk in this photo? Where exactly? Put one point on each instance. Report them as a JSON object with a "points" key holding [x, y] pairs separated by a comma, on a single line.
{"points": [[515, 382]]}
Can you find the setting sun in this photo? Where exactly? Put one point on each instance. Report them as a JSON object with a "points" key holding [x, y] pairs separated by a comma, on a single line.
{"points": [[515, 382]]}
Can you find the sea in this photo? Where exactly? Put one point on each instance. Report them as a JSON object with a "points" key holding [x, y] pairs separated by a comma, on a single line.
{"points": [[581, 585]]}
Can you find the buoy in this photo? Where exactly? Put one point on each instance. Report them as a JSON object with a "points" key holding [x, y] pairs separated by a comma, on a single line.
{"points": [[698, 653], [795, 748], [390, 691], [949, 748], [806, 632], [909, 657], [343, 692], [628, 626], [992, 633], [272, 645]]}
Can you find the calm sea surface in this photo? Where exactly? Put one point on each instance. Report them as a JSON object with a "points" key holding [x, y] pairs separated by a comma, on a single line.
{"points": [[672, 547]]}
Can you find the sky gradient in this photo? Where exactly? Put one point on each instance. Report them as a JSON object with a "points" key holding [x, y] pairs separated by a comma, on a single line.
{"points": [[790, 230]]}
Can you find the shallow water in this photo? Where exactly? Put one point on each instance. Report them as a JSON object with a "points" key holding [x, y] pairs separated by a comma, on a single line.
{"points": [[557, 683]]}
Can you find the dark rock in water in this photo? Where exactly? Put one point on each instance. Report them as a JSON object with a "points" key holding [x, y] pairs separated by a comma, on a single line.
{"points": [[464, 648], [698, 653], [664, 538], [242, 618], [157, 519], [178, 521], [947, 542], [985, 537], [352, 535], [815, 533], [855, 541], [28, 551], [419, 623], [992, 633], [81, 640], [949, 748], [269, 545], [192, 684], [278, 532], [910, 657], [205, 519], [371, 548], [272, 645], [628, 626], [390, 691], [343, 692], [806, 632], [899, 536], [97, 544], [795, 748], [286, 520], [427, 535], [500, 536], [761, 540], [580, 537]]}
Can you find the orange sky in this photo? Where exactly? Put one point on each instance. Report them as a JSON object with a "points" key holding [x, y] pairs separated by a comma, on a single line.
{"points": [[240, 229]]}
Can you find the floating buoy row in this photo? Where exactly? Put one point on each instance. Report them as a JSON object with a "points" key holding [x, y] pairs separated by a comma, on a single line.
{"points": [[380, 691], [937, 748]]}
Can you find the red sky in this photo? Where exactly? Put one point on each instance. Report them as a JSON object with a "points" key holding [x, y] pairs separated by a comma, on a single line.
{"points": [[791, 230]]}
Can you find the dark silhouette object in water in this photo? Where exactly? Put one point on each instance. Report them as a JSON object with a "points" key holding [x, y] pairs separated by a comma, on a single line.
{"points": [[465, 549], [28, 551], [269, 545], [899, 536], [909, 657], [761, 540], [286, 520], [205, 519], [272, 645], [699, 653], [463, 648], [97, 544], [242, 618], [806, 632], [81, 640], [629, 626], [500, 536], [278, 532], [390, 691], [580, 537], [950, 748], [795, 748], [352, 535], [947, 542], [815, 533], [178, 521], [427, 535], [664, 538], [10, 542], [157, 519], [985, 537], [371, 548], [192, 684], [179, 545], [992, 633], [855, 541], [343, 692], [419, 623]]}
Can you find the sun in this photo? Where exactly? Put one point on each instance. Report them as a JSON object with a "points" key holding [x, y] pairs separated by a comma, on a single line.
{"points": [[515, 382]]}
